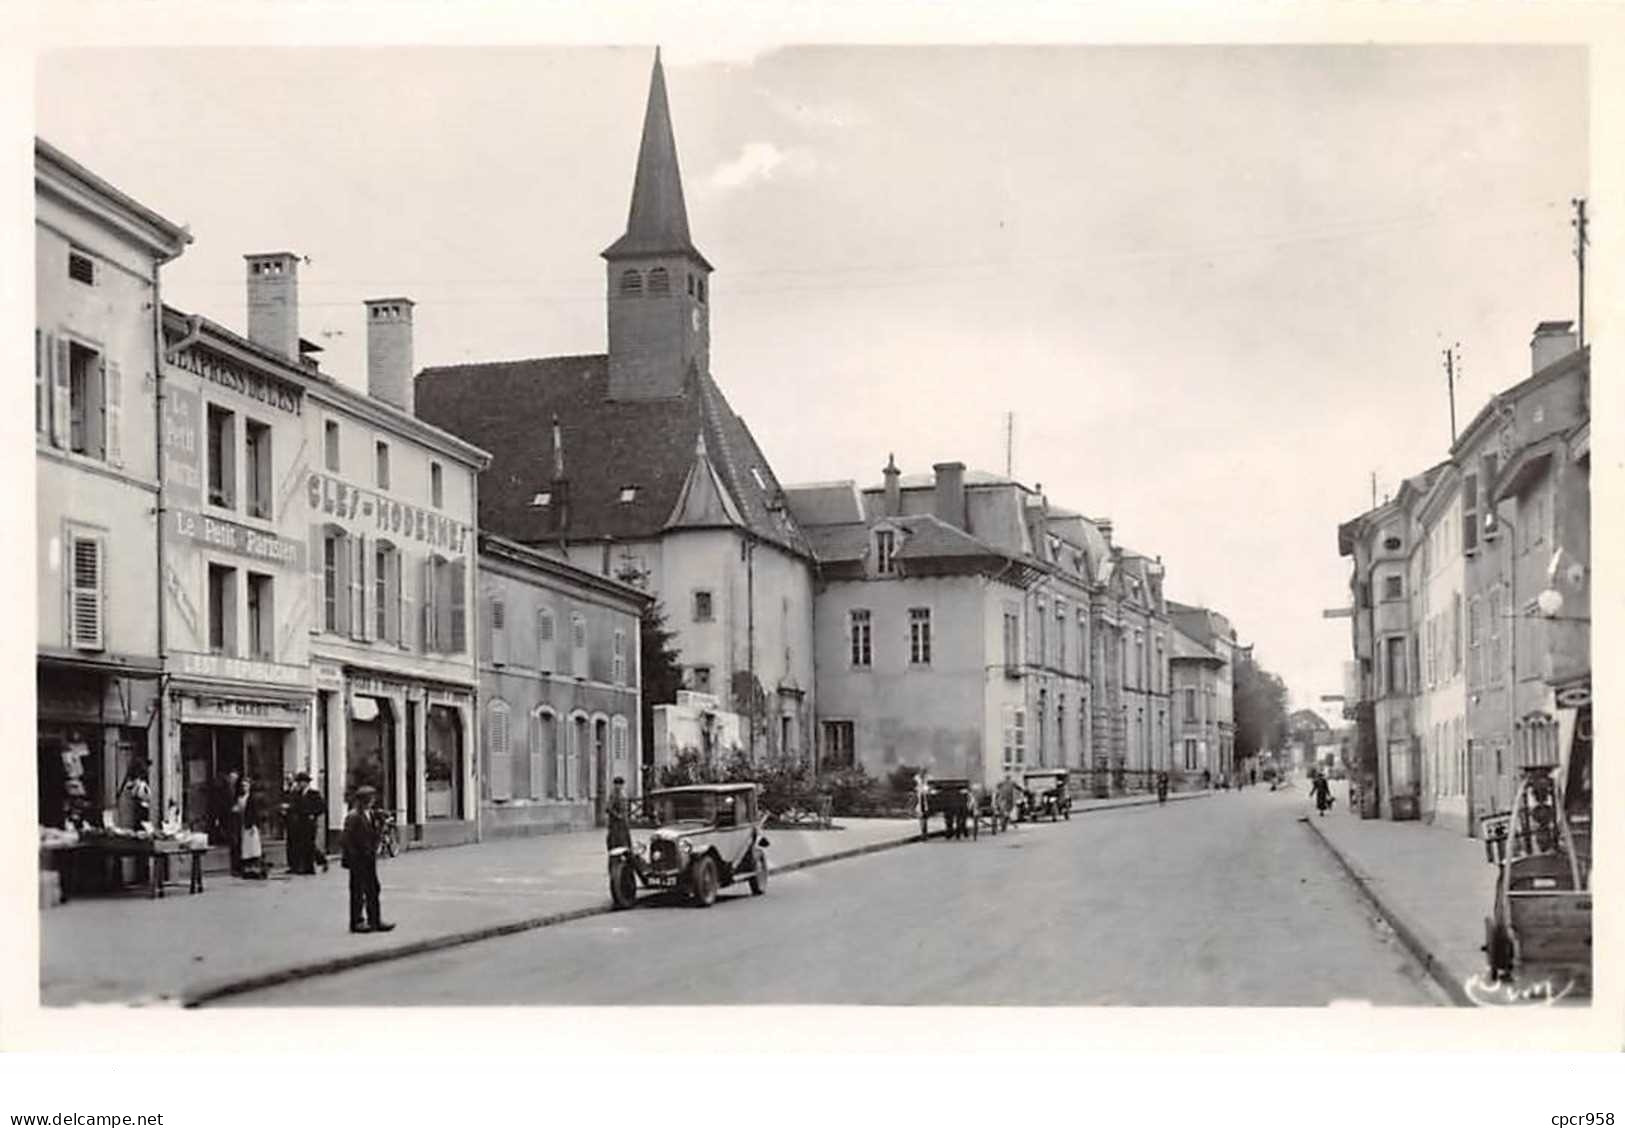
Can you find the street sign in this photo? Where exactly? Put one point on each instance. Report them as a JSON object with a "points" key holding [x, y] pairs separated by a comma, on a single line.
{"points": [[1338, 613], [1332, 698]]}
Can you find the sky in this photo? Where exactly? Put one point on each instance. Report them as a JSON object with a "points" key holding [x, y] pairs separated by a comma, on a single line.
{"points": [[1212, 284]]}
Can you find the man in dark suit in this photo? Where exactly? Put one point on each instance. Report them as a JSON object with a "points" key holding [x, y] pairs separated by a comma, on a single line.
{"points": [[305, 808], [360, 842]]}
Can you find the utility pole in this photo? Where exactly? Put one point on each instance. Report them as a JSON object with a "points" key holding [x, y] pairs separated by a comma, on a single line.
{"points": [[1580, 239], [1450, 385], [1373, 489]]}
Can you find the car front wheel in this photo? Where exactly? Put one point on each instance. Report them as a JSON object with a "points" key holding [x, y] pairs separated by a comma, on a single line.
{"points": [[703, 882], [758, 876]]}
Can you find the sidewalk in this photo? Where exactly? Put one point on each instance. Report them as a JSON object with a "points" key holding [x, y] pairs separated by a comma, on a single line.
{"points": [[1432, 885], [241, 934]]}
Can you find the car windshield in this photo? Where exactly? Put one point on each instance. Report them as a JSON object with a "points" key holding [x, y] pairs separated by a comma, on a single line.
{"points": [[686, 806]]}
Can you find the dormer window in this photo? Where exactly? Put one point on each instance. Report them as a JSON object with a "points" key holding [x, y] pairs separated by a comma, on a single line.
{"points": [[659, 281], [631, 282], [885, 552], [628, 494], [541, 500]]}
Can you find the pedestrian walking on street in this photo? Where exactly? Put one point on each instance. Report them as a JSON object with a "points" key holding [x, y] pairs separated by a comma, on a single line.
{"points": [[305, 808], [618, 815], [360, 857], [1323, 793], [1162, 787]]}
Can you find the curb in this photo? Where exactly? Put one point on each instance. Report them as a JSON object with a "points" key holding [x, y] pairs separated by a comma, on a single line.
{"points": [[223, 989], [1409, 934]]}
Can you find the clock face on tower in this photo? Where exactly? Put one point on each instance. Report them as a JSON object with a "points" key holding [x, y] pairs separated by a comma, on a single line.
{"points": [[694, 319]]}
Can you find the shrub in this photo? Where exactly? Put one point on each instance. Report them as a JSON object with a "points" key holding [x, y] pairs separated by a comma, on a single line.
{"points": [[852, 791]]}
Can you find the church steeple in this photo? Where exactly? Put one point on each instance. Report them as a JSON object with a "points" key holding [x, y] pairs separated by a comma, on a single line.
{"points": [[659, 321]]}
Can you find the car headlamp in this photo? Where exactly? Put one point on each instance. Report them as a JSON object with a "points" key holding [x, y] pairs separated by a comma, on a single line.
{"points": [[684, 846]]}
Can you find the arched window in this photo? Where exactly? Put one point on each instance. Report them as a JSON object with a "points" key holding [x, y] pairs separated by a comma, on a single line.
{"points": [[631, 282], [498, 754], [659, 281]]}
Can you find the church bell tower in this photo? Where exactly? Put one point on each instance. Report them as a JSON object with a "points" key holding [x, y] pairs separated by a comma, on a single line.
{"points": [[659, 304]]}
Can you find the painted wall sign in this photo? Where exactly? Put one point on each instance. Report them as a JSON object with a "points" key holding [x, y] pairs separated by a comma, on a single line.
{"points": [[384, 515], [225, 710], [327, 676], [239, 540], [183, 422], [191, 664], [262, 387]]}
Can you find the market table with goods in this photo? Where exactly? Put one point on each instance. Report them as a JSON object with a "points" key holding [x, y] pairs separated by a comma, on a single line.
{"points": [[77, 853]]}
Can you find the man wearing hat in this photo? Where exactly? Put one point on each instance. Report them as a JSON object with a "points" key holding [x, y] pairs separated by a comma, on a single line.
{"points": [[305, 807], [360, 841], [618, 816]]}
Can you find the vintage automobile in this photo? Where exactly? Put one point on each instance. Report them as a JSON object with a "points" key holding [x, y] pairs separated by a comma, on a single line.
{"points": [[1044, 794], [706, 837]]}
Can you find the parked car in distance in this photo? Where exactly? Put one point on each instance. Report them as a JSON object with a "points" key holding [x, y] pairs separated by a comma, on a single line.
{"points": [[706, 837]]}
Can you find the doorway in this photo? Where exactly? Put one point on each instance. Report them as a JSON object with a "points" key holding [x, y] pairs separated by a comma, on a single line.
{"points": [[600, 769]]}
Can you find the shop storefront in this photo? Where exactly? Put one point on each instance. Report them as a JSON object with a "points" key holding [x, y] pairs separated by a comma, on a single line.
{"points": [[405, 739], [226, 736], [92, 723]]}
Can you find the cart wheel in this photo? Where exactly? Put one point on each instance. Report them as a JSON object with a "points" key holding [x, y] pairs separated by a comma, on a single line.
{"points": [[703, 882], [758, 877], [1497, 950], [623, 884]]}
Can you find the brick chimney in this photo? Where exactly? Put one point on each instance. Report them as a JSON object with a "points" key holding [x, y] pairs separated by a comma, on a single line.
{"points": [[894, 489], [1553, 340], [273, 302], [389, 352], [1104, 524], [950, 493]]}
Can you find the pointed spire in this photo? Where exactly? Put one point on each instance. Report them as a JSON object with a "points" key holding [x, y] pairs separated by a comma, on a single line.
{"points": [[658, 220]]}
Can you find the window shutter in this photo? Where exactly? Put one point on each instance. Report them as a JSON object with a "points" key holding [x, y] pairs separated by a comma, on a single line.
{"points": [[538, 754], [458, 611], [85, 594], [318, 601], [408, 605], [561, 737], [113, 414], [545, 643], [343, 561], [42, 386], [501, 770], [431, 610], [392, 597], [58, 356], [358, 589]]}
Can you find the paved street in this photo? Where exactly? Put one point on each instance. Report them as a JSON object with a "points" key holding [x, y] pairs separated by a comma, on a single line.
{"points": [[1231, 902]]}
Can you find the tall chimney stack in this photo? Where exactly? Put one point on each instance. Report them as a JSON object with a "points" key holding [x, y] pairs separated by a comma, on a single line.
{"points": [[389, 352], [950, 493], [1553, 340], [273, 302], [894, 488]]}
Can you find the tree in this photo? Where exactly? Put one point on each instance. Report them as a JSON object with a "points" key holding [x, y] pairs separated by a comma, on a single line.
{"points": [[659, 674], [1260, 705]]}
